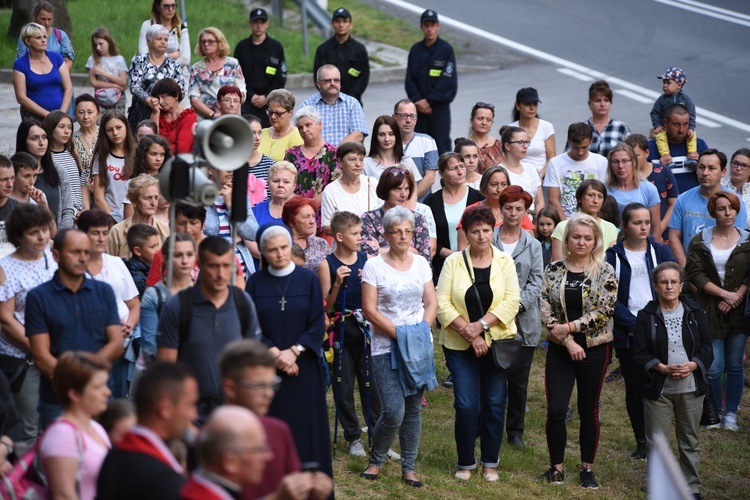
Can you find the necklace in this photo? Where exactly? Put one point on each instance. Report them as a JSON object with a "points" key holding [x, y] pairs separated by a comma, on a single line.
{"points": [[277, 135], [283, 300]]}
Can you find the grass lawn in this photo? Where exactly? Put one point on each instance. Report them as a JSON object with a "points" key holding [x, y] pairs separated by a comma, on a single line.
{"points": [[724, 455], [124, 22]]}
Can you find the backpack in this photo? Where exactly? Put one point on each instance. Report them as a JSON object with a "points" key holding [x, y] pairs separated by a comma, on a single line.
{"points": [[242, 307], [58, 35]]}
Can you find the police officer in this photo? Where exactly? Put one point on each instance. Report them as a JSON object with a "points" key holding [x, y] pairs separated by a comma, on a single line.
{"points": [[431, 82], [347, 54], [263, 64]]}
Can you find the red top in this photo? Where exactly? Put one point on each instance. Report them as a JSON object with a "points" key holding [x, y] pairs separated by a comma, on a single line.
{"points": [[180, 132]]}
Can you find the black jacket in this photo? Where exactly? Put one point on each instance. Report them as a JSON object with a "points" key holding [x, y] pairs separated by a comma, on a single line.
{"points": [[264, 67], [351, 59], [650, 345]]}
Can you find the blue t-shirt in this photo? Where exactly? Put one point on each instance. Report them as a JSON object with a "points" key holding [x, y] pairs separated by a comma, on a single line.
{"points": [[691, 215], [686, 178], [263, 215], [645, 193], [45, 90]]}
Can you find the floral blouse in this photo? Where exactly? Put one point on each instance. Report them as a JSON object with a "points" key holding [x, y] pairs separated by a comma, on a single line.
{"points": [[205, 84], [143, 74], [489, 156], [373, 231], [599, 297], [84, 154], [314, 174], [317, 249]]}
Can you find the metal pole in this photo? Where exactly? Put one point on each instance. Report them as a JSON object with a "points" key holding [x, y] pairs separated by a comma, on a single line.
{"points": [[303, 9], [184, 12], [170, 259]]}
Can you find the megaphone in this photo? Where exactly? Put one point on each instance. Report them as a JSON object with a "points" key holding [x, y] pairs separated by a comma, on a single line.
{"points": [[225, 143], [181, 179]]}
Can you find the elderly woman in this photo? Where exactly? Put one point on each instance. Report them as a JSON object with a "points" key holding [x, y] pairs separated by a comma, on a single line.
{"points": [[111, 270], [398, 299], [590, 196], [213, 72], [41, 79], [718, 264], [448, 205], [229, 100], [540, 133], [738, 176], [608, 132], [672, 347], [143, 194], [84, 139], [516, 142], [176, 124], [625, 185], [289, 301], [526, 253], [395, 187], [352, 192], [578, 302], [51, 179], [282, 176], [299, 216], [480, 123], [282, 134], [315, 158], [74, 446], [148, 68], [164, 13], [478, 298]]}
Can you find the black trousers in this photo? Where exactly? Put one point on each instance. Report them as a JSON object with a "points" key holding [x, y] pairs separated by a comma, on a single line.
{"points": [[633, 398], [438, 126], [518, 386], [559, 376], [353, 369]]}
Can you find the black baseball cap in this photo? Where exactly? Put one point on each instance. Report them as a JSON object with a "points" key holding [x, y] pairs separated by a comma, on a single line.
{"points": [[429, 15], [527, 95], [258, 14], [341, 12]]}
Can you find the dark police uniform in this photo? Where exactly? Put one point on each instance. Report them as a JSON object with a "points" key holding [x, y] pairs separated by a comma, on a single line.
{"points": [[264, 67], [352, 61], [431, 75]]}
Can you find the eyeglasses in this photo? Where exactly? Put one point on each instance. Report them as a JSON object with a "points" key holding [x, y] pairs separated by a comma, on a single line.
{"points": [[406, 116], [330, 81], [674, 283], [402, 232], [169, 6], [520, 143], [227, 100], [743, 166], [617, 163], [484, 105], [394, 171], [275, 114], [275, 384], [208, 42]]}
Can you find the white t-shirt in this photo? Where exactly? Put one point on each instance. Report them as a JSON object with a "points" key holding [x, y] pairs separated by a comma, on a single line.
{"points": [[567, 174], [399, 295], [426, 211], [374, 170], [337, 199], [509, 248], [117, 187], [536, 154], [720, 260], [116, 275], [114, 65], [529, 180], [640, 281]]}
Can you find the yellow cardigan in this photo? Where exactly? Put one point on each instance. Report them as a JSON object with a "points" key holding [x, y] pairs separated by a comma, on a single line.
{"points": [[451, 291]]}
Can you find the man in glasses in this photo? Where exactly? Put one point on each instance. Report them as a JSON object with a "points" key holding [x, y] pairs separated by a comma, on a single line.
{"points": [[263, 64], [343, 116], [249, 380], [431, 81], [418, 146], [347, 54]]}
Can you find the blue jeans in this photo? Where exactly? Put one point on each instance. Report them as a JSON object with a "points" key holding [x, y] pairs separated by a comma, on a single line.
{"points": [[728, 357], [479, 388], [399, 414]]}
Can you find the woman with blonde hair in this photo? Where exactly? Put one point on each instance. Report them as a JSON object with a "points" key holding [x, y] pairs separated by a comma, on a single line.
{"points": [[211, 73], [578, 302]]}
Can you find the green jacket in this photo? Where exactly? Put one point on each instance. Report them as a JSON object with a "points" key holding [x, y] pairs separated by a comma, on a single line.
{"points": [[701, 270]]}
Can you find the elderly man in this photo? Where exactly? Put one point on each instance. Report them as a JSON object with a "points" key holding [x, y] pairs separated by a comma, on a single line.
{"points": [[343, 116], [677, 123]]}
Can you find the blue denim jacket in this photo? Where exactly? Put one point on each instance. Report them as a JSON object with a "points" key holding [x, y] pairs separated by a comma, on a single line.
{"points": [[412, 355]]}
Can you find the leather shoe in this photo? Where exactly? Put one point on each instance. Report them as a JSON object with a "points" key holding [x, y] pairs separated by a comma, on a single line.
{"points": [[516, 442]]}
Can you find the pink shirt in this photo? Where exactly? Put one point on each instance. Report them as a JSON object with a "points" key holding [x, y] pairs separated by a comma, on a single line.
{"points": [[60, 440]]}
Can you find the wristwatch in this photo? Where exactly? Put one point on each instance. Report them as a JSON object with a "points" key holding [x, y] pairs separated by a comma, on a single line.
{"points": [[484, 324], [300, 348]]}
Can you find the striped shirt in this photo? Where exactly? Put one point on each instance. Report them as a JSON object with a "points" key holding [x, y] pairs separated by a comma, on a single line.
{"points": [[65, 160]]}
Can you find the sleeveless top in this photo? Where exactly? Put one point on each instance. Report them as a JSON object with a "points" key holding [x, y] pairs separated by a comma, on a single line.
{"points": [[354, 283]]}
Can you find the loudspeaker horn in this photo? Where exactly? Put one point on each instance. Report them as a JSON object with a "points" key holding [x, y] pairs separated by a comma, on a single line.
{"points": [[225, 143]]}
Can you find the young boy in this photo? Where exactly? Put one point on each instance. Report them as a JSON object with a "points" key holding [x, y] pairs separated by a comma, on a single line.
{"points": [[672, 82], [346, 263], [26, 169], [143, 241]]}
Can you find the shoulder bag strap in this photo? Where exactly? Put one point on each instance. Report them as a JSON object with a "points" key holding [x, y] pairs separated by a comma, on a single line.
{"points": [[473, 284]]}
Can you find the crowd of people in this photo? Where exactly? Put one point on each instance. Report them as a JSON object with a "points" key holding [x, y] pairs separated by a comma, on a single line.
{"points": [[158, 358]]}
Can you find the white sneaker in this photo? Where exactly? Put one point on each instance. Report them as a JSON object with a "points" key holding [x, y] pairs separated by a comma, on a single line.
{"points": [[730, 422], [356, 449], [717, 425], [393, 455]]}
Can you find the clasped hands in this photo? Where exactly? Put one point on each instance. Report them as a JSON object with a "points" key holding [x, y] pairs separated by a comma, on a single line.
{"points": [[472, 333], [286, 361], [677, 371]]}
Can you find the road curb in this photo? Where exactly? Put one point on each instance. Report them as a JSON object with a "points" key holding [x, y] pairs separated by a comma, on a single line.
{"points": [[297, 81]]}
